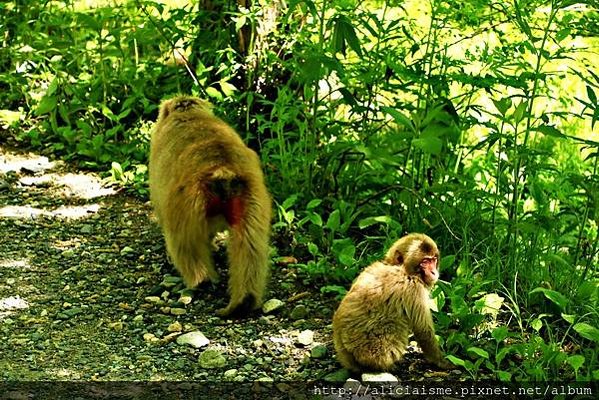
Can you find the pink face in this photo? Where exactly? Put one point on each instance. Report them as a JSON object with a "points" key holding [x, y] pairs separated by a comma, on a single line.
{"points": [[428, 270]]}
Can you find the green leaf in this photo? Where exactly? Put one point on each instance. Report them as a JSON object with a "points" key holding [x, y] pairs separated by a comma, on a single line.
{"points": [[503, 105], [479, 352], [346, 256], [334, 221], [227, 88], [313, 249], [504, 376], [456, 361], [447, 261], [212, 92], [381, 219], [429, 144], [399, 118], [592, 95], [500, 333], [315, 218], [313, 204], [289, 201], [556, 297], [537, 324], [549, 131], [47, 104], [587, 331], [518, 114], [576, 361]]}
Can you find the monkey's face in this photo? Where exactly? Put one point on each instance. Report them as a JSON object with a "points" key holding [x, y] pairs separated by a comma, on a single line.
{"points": [[427, 268]]}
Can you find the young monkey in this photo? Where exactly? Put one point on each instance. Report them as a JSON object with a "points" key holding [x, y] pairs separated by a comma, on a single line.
{"points": [[387, 302], [204, 179]]}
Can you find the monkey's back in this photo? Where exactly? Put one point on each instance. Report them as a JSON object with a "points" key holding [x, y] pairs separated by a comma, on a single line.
{"points": [[187, 147], [370, 328]]}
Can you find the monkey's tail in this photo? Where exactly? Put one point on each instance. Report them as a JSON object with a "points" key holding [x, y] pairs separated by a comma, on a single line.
{"points": [[225, 183]]}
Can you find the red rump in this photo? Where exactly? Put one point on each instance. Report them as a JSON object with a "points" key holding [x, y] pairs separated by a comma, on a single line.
{"points": [[232, 209]]}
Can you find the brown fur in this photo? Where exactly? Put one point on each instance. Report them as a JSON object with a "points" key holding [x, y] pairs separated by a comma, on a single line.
{"points": [[203, 180], [387, 302]]}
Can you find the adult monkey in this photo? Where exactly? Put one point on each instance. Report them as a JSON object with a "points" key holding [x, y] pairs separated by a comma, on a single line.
{"points": [[203, 180], [387, 302]]}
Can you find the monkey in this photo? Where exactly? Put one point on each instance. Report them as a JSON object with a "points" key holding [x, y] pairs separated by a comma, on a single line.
{"points": [[204, 180], [387, 302]]}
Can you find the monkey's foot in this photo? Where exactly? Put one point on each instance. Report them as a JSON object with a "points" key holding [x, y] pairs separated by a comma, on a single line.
{"points": [[239, 309]]}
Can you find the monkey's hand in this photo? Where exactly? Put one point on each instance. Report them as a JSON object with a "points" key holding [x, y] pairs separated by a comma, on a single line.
{"points": [[444, 364]]}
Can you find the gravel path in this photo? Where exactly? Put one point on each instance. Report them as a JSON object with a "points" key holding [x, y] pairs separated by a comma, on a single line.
{"points": [[86, 294]]}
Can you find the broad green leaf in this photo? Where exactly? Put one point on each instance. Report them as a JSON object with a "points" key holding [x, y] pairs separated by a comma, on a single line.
{"points": [[549, 131], [576, 361], [429, 144], [456, 361], [346, 256], [490, 304], [313, 249], [313, 204], [504, 376], [587, 331], [479, 352], [500, 333], [47, 104], [212, 92], [315, 218], [334, 220], [519, 112], [381, 219], [399, 117], [503, 105], [556, 297], [289, 201], [227, 88], [447, 261]]}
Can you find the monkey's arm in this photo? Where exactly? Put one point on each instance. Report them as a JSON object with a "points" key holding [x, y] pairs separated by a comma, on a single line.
{"points": [[424, 333]]}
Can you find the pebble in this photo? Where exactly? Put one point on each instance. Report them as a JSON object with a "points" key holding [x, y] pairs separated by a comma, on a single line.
{"points": [[272, 305], [379, 377], [305, 337], [318, 351], [195, 339], [212, 358], [175, 327], [299, 312]]}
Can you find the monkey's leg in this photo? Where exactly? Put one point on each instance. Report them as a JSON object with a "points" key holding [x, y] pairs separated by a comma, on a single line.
{"points": [[248, 267], [191, 255]]}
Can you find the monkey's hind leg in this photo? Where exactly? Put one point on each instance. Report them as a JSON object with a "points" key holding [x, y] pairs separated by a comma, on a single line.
{"points": [[248, 269], [191, 254]]}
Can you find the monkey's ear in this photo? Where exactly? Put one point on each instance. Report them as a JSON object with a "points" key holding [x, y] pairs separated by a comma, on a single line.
{"points": [[397, 257]]}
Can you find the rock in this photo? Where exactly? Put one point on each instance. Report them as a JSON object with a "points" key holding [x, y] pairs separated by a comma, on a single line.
{"points": [[175, 327], [341, 375], [318, 351], [126, 250], [153, 300], [212, 358], [299, 312], [150, 337], [230, 374], [305, 337], [379, 377], [195, 339], [272, 305], [178, 311]]}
